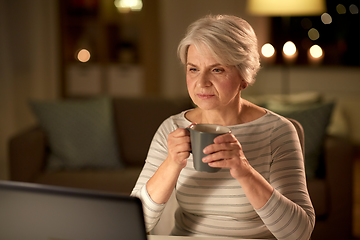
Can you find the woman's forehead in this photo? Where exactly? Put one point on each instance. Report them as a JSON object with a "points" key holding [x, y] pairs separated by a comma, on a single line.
{"points": [[201, 52]]}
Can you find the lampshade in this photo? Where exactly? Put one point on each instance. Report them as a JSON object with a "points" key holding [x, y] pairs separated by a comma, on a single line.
{"points": [[128, 5], [286, 7]]}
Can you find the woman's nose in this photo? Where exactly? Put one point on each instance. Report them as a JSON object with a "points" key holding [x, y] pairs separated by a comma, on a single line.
{"points": [[204, 80]]}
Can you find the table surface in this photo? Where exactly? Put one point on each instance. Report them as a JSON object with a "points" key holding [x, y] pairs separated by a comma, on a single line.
{"points": [[159, 237]]}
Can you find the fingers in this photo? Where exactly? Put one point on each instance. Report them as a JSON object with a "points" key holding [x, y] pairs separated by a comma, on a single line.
{"points": [[179, 145], [226, 152], [228, 137], [180, 132], [222, 143], [225, 147]]}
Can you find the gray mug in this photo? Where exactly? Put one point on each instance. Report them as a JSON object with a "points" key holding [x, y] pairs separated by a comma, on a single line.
{"points": [[201, 136]]}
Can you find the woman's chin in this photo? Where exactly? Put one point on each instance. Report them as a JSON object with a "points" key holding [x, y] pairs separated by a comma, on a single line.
{"points": [[206, 105]]}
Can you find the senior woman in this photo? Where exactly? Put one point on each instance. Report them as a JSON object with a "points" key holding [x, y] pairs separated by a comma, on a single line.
{"points": [[260, 191]]}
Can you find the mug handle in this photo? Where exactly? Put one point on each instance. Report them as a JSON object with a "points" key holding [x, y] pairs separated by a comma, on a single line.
{"points": [[190, 128]]}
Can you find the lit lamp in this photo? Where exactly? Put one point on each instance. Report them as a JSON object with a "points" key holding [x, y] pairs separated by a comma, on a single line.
{"points": [[289, 52], [315, 55], [286, 9], [268, 52], [83, 55], [125, 6]]}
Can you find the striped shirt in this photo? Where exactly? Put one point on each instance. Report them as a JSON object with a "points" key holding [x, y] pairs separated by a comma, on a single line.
{"points": [[214, 204]]}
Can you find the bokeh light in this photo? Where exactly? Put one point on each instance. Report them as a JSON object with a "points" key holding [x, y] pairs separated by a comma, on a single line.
{"points": [[313, 34], [353, 9], [306, 23], [289, 48], [326, 18], [267, 50], [316, 51], [83, 55], [340, 9]]}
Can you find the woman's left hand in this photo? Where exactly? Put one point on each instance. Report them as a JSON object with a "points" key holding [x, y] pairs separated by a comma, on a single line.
{"points": [[226, 152]]}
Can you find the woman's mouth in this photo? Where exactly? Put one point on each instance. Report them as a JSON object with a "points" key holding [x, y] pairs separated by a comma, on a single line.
{"points": [[205, 96]]}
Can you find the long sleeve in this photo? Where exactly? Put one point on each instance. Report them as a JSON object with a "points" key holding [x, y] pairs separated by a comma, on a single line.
{"points": [[156, 155], [289, 213], [152, 210]]}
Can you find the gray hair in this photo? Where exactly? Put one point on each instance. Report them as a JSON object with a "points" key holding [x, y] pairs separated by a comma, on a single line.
{"points": [[230, 39]]}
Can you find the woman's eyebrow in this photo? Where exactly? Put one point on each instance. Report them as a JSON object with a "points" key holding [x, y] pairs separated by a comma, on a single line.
{"points": [[211, 66], [191, 64]]}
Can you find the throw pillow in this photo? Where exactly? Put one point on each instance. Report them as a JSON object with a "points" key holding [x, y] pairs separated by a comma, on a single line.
{"points": [[314, 119], [81, 133]]}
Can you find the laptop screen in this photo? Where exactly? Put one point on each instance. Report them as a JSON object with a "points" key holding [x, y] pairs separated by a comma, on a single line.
{"points": [[33, 211]]}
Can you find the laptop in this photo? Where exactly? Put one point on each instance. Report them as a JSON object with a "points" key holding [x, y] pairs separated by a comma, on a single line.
{"points": [[39, 212]]}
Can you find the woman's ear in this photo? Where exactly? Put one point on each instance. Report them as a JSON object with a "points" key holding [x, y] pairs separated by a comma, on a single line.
{"points": [[244, 84]]}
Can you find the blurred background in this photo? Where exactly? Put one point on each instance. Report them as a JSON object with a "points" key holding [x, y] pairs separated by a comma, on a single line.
{"points": [[57, 49]]}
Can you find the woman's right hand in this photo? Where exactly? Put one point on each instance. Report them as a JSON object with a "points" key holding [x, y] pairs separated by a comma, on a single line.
{"points": [[162, 183], [179, 147]]}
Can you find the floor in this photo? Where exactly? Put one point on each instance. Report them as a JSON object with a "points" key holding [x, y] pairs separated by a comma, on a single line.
{"points": [[356, 217]]}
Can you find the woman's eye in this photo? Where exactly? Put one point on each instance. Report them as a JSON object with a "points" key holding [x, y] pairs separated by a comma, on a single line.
{"points": [[218, 70]]}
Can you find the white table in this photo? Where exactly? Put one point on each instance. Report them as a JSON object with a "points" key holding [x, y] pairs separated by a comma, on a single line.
{"points": [[159, 237]]}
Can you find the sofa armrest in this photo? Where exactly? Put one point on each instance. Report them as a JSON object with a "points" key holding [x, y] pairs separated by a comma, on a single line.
{"points": [[339, 177], [27, 153]]}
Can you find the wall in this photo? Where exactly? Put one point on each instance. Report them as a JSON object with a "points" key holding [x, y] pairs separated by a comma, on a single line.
{"points": [[332, 81], [28, 64]]}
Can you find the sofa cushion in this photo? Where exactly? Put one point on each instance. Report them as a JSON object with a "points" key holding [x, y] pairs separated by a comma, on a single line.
{"points": [[314, 119], [137, 120], [81, 133]]}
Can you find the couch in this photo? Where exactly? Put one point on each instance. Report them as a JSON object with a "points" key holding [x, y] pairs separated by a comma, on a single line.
{"points": [[136, 120]]}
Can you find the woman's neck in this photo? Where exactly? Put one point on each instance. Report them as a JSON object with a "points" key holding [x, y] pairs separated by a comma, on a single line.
{"points": [[224, 117]]}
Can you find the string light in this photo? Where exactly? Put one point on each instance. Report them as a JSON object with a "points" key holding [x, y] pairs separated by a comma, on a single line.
{"points": [[267, 50], [353, 9], [289, 48], [315, 55], [340, 9], [313, 34], [316, 51], [83, 55], [326, 18]]}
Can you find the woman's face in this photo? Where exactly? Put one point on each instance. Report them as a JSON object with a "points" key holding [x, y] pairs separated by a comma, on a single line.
{"points": [[211, 86]]}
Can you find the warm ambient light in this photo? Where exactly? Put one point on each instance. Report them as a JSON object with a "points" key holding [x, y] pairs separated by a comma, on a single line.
{"points": [[313, 34], [353, 9], [267, 50], [83, 55], [326, 18], [315, 55], [289, 48], [125, 6], [286, 7], [289, 52], [316, 51], [340, 9]]}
